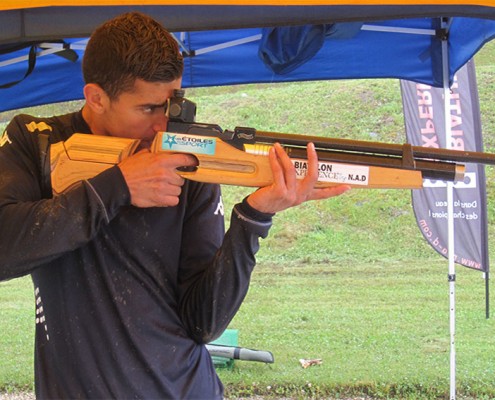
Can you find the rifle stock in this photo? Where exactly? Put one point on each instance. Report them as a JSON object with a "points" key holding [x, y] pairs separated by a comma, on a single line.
{"points": [[83, 156]]}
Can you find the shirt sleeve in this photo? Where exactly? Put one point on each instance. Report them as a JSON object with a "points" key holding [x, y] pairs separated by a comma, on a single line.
{"points": [[36, 230], [213, 284]]}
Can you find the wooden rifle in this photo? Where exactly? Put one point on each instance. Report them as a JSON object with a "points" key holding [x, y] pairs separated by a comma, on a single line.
{"points": [[240, 157]]}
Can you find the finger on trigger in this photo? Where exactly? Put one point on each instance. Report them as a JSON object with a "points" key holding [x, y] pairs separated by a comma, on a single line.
{"points": [[185, 160]]}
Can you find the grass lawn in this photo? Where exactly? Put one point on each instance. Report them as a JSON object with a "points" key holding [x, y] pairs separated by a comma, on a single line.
{"points": [[17, 315], [380, 328]]}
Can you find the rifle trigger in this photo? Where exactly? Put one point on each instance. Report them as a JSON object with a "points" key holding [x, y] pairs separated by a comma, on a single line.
{"points": [[408, 161]]}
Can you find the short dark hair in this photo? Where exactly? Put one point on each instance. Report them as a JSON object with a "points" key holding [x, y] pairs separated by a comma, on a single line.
{"points": [[129, 47]]}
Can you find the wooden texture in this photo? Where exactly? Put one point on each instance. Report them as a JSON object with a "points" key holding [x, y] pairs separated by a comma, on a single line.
{"points": [[83, 156]]}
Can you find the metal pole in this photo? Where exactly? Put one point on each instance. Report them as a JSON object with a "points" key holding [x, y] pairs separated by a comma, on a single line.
{"points": [[450, 210]]}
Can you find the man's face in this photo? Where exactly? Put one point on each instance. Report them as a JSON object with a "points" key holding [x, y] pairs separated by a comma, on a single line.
{"points": [[139, 113]]}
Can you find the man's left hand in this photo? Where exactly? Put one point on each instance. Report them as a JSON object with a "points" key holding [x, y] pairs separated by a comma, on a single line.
{"points": [[286, 190]]}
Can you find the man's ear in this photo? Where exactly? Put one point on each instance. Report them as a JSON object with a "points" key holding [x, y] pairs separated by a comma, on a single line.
{"points": [[96, 97]]}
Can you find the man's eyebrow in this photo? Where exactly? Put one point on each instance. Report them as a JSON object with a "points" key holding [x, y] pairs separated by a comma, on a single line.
{"points": [[153, 105]]}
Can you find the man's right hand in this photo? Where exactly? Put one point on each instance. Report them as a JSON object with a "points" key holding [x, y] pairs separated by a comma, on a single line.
{"points": [[152, 178]]}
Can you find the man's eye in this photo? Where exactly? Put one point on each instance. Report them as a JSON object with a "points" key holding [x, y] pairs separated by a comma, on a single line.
{"points": [[153, 109], [147, 110], [150, 109]]}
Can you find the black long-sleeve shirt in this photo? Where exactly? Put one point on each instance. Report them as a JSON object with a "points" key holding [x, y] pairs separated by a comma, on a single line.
{"points": [[125, 297]]}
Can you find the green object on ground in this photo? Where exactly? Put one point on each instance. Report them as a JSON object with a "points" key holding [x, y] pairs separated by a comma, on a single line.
{"points": [[230, 337]]}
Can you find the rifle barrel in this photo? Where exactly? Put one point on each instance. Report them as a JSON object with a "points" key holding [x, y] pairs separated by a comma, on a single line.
{"points": [[389, 149]]}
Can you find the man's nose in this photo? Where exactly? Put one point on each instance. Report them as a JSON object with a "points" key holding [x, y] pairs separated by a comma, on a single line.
{"points": [[160, 122]]}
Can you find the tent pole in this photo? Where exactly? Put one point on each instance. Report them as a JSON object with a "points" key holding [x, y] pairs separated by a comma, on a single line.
{"points": [[450, 208], [487, 294]]}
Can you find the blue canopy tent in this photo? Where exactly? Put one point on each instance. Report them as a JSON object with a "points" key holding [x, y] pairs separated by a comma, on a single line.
{"points": [[42, 43], [357, 41]]}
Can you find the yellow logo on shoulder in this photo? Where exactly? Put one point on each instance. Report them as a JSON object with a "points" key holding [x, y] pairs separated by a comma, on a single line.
{"points": [[4, 139], [40, 126]]}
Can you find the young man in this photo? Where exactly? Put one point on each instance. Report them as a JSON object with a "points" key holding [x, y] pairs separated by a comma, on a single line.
{"points": [[132, 269]]}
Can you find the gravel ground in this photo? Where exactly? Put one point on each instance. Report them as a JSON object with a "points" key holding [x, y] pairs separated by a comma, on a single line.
{"points": [[30, 396], [17, 396]]}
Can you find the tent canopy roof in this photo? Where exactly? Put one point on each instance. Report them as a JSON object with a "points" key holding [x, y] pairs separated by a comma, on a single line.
{"points": [[400, 41], [26, 21]]}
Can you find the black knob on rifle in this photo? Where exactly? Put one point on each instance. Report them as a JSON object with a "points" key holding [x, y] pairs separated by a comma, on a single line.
{"points": [[181, 109]]}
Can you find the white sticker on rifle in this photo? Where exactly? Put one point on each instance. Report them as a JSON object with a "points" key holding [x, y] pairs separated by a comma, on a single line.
{"points": [[188, 143], [335, 172]]}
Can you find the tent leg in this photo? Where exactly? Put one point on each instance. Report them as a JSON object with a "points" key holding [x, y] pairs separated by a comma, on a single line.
{"points": [[450, 212], [487, 294]]}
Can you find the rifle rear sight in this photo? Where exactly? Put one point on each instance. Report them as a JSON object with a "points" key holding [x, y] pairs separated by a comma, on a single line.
{"points": [[181, 109]]}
